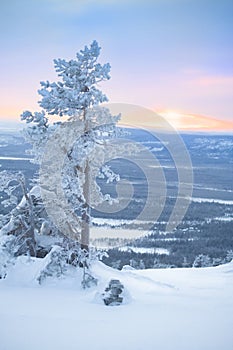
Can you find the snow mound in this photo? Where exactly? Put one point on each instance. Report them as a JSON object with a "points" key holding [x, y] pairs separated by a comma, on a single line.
{"points": [[167, 309]]}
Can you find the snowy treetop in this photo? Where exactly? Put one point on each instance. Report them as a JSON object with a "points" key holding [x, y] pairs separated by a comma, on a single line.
{"points": [[77, 89]]}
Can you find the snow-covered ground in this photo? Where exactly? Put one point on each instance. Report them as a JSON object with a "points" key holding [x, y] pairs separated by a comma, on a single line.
{"points": [[109, 232], [210, 200], [143, 250], [172, 309], [14, 158]]}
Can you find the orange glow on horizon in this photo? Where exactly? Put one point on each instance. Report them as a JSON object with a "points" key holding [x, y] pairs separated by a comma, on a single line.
{"points": [[11, 114], [195, 122], [179, 120]]}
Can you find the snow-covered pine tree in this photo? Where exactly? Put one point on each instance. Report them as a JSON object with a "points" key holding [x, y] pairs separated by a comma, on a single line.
{"points": [[202, 261], [22, 219], [6, 256], [141, 265], [75, 96], [133, 263], [229, 256], [185, 262], [55, 264], [26, 229]]}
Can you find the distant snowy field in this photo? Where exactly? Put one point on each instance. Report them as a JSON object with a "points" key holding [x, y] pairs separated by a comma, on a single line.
{"points": [[172, 309]]}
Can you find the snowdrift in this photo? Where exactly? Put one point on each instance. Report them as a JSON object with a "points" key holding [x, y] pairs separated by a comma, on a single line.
{"points": [[164, 309]]}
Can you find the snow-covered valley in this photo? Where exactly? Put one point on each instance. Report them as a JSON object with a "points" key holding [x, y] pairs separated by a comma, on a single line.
{"points": [[165, 309]]}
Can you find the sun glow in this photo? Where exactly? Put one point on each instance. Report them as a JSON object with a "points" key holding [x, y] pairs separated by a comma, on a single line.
{"points": [[179, 120], [188, 121]]}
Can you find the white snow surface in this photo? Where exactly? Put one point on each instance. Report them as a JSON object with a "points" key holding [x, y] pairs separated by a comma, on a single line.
{"points": [[14, 158], [109, 232], [143, 250], [210, 200], [165, 309]]}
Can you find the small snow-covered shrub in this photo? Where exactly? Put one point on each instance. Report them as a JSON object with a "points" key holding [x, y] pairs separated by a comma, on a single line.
{"points": [[202, 261], [229, 256], [55, 264], [6, 259], [59, 260]]}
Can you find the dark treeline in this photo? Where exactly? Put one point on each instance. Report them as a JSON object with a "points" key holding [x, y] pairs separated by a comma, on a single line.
{"points": [[213, 239]]}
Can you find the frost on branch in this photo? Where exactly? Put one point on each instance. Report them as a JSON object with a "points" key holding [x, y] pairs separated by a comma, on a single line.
{"points": [[23, 219], [38, 118], [6, 259], [77, 89], [8, 186], [55, 264], [72, 153]]}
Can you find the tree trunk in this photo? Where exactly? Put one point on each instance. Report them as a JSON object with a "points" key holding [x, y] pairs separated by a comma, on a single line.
{"points": [[85, 229]]}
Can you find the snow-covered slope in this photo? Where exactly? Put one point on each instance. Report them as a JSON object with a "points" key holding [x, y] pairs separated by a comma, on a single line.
{"points": [[172, 309]]}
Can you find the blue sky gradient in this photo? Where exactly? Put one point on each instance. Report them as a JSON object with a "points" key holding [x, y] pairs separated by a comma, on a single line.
{"points": [[168, 55]]}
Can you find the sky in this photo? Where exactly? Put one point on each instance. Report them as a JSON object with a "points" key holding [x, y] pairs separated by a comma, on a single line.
{"points": [[172, 56]]}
